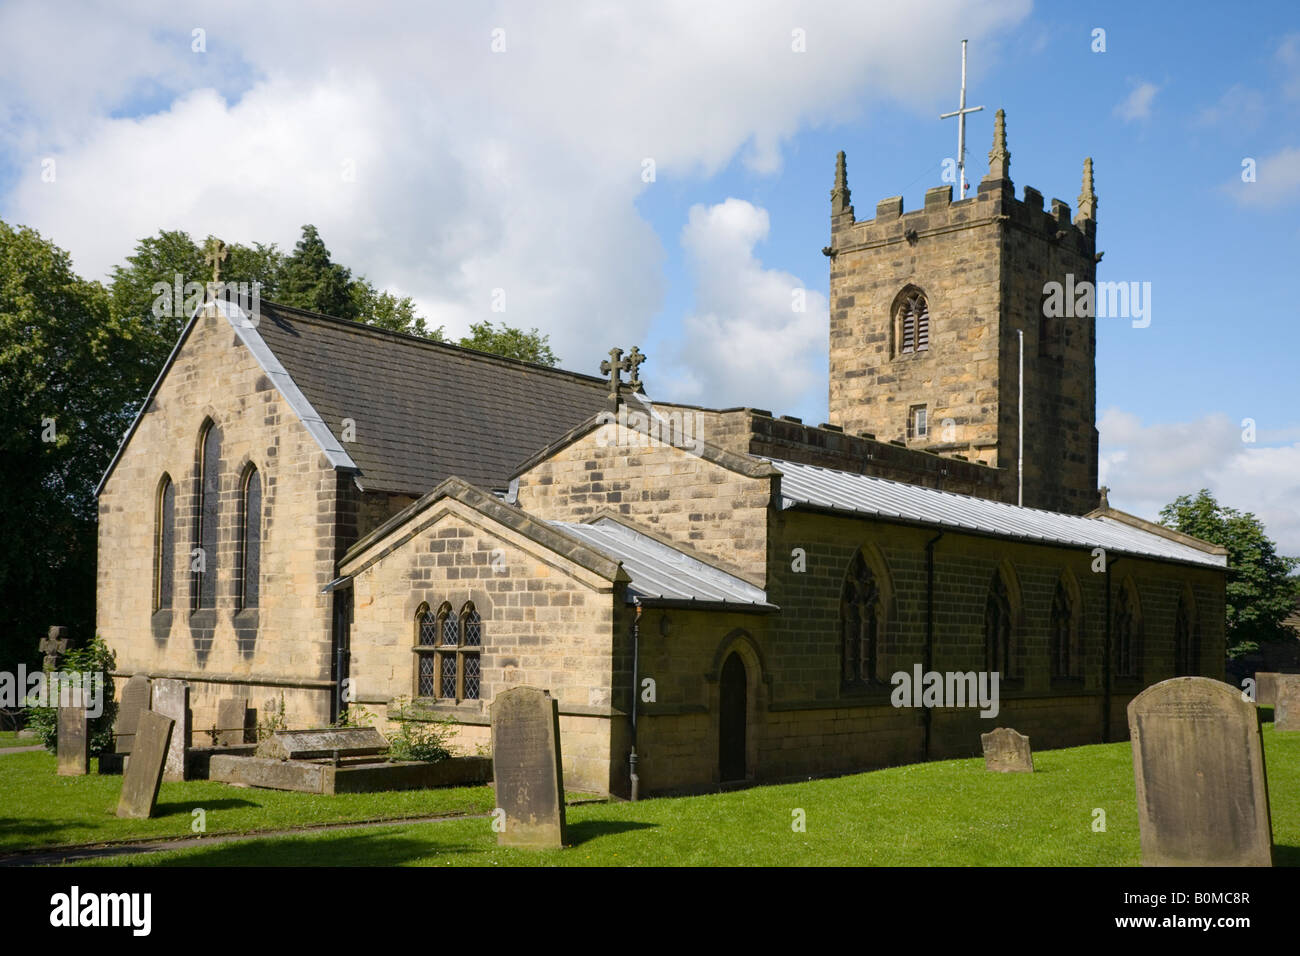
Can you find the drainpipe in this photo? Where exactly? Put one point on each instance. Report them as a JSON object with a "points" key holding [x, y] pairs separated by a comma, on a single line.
{"points": [[928, 657], [636, 645], [1105, 660]]}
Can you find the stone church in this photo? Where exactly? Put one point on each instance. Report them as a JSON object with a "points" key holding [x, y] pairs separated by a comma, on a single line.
{"points": [[316, 512]]}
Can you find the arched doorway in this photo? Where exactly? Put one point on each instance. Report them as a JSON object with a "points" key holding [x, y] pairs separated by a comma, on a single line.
{"points": [[732, 712]]}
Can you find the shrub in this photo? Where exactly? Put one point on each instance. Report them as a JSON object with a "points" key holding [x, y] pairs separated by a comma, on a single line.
{"points": [[94, 658], [424, 739]]}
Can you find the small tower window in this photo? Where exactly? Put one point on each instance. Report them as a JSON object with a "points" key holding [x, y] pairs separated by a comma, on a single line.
{"points": [[912, 322], [918, 422]]}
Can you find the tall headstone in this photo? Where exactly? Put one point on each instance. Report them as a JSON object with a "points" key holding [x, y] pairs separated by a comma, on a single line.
{"points": [[232, 721], [527, 769], [1006, 751], [73, 743], [135, 700], [1202, 794], [1286, 706], [144, 772], [171, 698]]}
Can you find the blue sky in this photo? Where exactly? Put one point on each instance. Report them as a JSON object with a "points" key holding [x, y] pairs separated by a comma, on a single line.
{"points": [[519, 168]]}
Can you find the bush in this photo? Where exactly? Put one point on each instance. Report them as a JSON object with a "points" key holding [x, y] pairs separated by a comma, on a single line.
{"points": [[424, 740], [94, 658]]}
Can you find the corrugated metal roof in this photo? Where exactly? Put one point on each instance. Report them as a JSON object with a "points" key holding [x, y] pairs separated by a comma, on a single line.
{"points": [[864, 494], [663, 573]]}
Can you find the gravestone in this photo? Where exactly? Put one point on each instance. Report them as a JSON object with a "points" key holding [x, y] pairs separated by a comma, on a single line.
{"points": [[232, 721], [144, 772], [135, 700], [1202, 794], [325, 742], [73, 743], [1286, 707], [171, 698], [54, 645], [1265, 688], [527, 769], [1006, 751]]}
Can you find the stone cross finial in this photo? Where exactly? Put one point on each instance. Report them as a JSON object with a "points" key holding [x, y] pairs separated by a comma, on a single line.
{"points": [[634, 360], [1087, 199], [999, 155], [840, 194], [1104, 493], [615, 364], [215, 255]]}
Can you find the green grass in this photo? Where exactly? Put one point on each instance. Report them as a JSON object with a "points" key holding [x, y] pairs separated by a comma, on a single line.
{"points": [[10, 738], [950, 813], [39, 808]]}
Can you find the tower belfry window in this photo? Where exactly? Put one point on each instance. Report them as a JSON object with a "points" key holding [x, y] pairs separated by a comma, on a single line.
{"points": [[913, 323]]}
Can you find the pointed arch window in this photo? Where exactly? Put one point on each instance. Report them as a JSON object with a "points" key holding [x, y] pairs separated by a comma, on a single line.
{"points": [[860, 605], [1186, 658], [912, 322], [426, 643], [164, 547], [250, 539], [1061, 631], [457, 664], [997, 628], [203, 588], [1124, 634]]}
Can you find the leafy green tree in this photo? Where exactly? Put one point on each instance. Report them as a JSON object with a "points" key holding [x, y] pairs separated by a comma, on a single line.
{"points": [[1260, 593], [388, 311], [511, 342], [70, 375], [310, 280]]}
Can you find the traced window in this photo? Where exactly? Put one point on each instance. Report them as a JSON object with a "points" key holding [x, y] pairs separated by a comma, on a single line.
{"points": [[1124, 635], [1186, 660], [860, 623], [918, 422], [203, 588], [1061, 629], [250, 539], [457, 668], [164, 547], [912, 322], [426, 643], [997, 628]]}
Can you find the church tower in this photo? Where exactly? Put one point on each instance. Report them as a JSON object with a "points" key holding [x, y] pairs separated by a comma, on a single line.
{"points": [[925, 311]]}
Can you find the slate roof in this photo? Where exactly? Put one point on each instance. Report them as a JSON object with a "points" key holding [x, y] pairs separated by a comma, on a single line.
{"points": [[425, 411], [840, 491], [663, 575]]}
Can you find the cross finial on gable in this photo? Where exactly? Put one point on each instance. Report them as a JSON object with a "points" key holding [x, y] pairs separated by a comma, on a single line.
{"points": [[215, 255], [617, 364], [634, 360]]}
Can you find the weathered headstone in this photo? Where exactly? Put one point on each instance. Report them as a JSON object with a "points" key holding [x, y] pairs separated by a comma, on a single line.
{"points": [[1286, 708], [232, 721], [73, 743], [1202, 794], [171, 698], [527, 769], [325, 742], [1006, 751], [144, 773], [1265, 688], [135, 700]]}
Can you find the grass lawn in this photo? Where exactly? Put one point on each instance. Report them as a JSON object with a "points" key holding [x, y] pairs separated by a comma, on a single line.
{"points": [[39, 808], [10, 738], [950, 813]]}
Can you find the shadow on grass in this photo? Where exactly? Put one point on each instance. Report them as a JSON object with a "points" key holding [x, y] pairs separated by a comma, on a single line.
{"points": [[587, 830], [175, 807], [14, 826], [356, 850], [1286, 855]]}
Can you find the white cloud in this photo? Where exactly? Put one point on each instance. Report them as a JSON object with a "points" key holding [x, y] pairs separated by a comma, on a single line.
{"points": [[1148, 466], [1239, 106], [1277, 180], [755, 336], [475, 170], [1137, 105]]}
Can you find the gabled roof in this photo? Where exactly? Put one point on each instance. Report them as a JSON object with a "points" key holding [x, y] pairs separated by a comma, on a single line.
{"points": [[663, 575], [807, 486]]}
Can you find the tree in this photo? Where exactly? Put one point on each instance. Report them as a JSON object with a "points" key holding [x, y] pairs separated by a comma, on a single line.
{"points": [[512, 343], [70, 375], [1260, 594], [310, 280], [388, 311]]}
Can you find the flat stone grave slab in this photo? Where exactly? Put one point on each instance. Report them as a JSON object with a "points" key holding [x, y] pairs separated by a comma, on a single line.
{"points": [[1286, 708], [135, 700], [527, 769], [73, 743], [232, 721], [360, 776], [1199, 766], [324, 742], [144, 773], [171, 698], [1007, 751]]}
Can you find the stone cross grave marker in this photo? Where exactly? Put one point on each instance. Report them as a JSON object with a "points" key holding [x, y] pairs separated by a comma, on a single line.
{"points": [[1006, 751], [527, 768], [171, 698], [135, 700], [1286, 705], [54, 645], [232, 721], [1201, 790], [144, 773], [73, 742]]}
